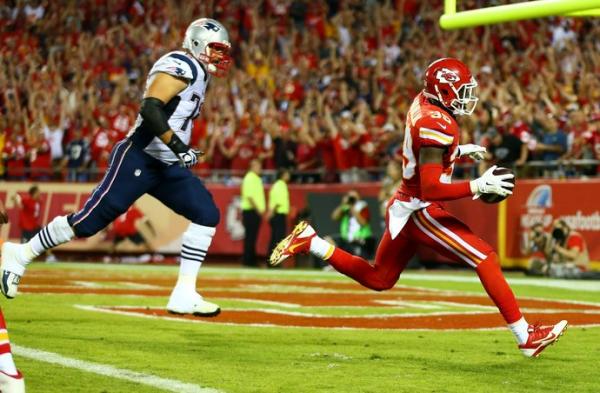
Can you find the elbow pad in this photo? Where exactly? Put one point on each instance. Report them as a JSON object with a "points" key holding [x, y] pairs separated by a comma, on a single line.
{"points": [[154, 116]]}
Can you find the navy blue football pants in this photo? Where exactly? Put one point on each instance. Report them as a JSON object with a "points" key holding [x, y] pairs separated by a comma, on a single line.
{"points": [[133, 173]]}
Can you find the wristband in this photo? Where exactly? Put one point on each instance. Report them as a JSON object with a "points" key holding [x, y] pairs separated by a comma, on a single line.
{"points": [[176, 145]]}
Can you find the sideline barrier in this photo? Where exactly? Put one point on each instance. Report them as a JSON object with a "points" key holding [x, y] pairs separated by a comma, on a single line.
{"points": [[502, 225], [575, 201]]}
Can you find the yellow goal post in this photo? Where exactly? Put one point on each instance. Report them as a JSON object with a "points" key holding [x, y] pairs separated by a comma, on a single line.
{"points": [[513, 12]]}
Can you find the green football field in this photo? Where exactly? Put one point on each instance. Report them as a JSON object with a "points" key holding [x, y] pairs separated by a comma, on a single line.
{"points": [[102, 328]]}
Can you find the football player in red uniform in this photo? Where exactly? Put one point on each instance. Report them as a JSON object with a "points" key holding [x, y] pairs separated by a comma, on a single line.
{"points": [[11, 379], [415, 216]]}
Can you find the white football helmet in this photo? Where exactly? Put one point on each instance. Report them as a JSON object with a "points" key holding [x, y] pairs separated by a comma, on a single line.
{"points": [[208, 41]]}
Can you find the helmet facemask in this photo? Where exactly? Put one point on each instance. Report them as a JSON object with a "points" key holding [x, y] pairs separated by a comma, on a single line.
{"points": [[216, 58], [464, 101]]}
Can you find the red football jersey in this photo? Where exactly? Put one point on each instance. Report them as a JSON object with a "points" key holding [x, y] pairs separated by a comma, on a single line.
{"points": [[29, 215], [427, 125]]}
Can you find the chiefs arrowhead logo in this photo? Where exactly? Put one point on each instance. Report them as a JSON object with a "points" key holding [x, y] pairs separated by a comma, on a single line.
{"points": [[447, 76]]}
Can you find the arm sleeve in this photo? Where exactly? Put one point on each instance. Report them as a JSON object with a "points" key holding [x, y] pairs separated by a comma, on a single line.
{"points": [[154, 116], [433, 190]]}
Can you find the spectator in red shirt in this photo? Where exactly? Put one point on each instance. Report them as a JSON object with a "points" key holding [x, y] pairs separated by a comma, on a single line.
{"points": [[14, 155], [40, 160], [126, 227], [103, 140], [30, 208]]}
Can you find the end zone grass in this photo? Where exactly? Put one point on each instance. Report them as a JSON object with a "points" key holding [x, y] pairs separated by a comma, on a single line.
{"points": [[242, 358]]}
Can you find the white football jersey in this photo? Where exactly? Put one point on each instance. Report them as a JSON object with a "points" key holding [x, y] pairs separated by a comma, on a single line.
{"points": [[181, 110]]}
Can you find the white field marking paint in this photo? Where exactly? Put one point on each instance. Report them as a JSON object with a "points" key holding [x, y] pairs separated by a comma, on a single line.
{"points": [[581, 285], [285, 288], [255, 272], [405, 304], [433, 305], [465, 305], [267, 325], [576, 285], [265, 302], [85, 284], [113, 285], [455, 292], [170, 385], [136, 285], [490, 311], [317, 316]]}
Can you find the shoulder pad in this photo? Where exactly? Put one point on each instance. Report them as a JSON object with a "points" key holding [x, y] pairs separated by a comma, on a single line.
{"points": [[177, 64], [436, 130]]}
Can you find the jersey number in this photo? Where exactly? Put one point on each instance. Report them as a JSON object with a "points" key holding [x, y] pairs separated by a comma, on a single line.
{"points": [[194, 114], [440, 115], [409, 162]]}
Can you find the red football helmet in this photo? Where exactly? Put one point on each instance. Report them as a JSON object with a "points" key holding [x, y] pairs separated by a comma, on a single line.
{"points": [[450, 82]]}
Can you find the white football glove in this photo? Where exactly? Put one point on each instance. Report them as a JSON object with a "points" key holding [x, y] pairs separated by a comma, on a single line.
{"points": [[475, 152], [489, 183], [189, 158]]}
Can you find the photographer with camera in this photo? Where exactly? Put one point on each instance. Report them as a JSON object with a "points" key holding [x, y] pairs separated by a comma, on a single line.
{"points": [[539, 247], [562, 253], [356, 235], [569, 251]]}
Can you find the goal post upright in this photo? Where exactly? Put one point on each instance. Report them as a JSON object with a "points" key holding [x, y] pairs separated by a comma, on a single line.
{"points": [[512, 12]]}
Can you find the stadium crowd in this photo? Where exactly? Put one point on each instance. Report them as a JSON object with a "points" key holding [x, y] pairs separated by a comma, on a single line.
{"points": [[320, 87]]}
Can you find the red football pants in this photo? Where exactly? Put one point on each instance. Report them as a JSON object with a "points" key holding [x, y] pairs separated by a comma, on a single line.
{"points": [[437, 229]]}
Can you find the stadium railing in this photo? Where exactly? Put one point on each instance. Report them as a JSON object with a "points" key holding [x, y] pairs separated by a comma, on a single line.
{"points": [[532, 169]]}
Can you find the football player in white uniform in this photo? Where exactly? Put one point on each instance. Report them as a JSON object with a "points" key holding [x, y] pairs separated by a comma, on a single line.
{"points": [[153, 159]]}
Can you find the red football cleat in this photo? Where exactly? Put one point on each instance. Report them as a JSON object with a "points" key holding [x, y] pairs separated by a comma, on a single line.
{"points": [[297, 242], [540, 337]]}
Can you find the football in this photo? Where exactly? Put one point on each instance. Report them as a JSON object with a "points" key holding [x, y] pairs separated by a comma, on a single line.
{"points": [[495, 198]]}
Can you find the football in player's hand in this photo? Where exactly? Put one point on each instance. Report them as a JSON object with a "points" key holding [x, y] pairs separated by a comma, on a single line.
{"points": [[495, 198]]}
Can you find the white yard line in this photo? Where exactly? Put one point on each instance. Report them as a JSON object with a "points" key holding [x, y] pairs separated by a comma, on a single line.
{"points": [[170, 385], [271, 325]]}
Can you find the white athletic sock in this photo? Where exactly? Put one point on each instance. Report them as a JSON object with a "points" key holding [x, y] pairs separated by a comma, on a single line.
{"points": [[196, 240], [57, 232], [321, 248], [519, 329], [7, 364]]}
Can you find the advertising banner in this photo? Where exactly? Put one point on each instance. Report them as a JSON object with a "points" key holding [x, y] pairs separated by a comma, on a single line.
{"points": [[574, 201], [504, 226]]}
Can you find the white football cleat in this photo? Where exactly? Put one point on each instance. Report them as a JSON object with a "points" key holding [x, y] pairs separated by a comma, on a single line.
{"points": [[12, 383], [191, 302], [12, 269], [540, 337]]}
